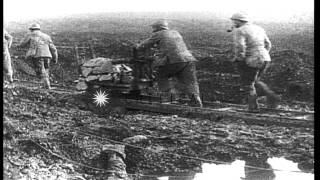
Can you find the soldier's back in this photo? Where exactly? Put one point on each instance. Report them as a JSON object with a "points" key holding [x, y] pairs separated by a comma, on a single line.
{"points": [[173, 46], [40, 41], [172, 39], [255, 35]]}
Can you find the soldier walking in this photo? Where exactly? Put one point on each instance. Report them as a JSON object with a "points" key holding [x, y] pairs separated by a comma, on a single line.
{"points": [[251, 47], [40, 51], [7, 66], [174, 61]]}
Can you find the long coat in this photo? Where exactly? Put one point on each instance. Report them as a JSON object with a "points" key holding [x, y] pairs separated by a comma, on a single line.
{"points": [[39, 44], [170, 45], [252, 44], [7, 41]]}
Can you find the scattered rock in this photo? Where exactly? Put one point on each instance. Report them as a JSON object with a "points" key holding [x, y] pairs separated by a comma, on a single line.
{"points": [[106, 77], [86, 71], [81, 86], [92, 77], [97, 62]]}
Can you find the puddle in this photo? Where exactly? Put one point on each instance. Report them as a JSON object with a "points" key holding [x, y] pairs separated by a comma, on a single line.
{"points": [[243, 170]]}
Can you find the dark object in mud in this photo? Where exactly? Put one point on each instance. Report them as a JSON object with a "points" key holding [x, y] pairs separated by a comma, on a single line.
{"points": [[116, 168]]}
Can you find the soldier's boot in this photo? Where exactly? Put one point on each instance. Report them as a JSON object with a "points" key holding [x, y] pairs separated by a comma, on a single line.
{"points": [[253, 105], [10, 78], [46, 81], [167, 89], [195, 101], [174, 96], [272, 98]]}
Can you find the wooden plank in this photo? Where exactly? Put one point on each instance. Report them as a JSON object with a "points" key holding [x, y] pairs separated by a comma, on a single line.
{"points": [[240, 107], [216, 114], [71, 47]]}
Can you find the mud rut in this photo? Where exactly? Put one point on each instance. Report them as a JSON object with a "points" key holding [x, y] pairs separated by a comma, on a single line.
{"points": [[55, 132]]}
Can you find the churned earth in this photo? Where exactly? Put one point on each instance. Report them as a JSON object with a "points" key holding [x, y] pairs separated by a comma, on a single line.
{"points": [[53, 135]]}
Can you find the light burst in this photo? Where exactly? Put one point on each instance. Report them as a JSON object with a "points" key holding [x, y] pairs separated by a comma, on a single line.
{"points": [[101, 98]]}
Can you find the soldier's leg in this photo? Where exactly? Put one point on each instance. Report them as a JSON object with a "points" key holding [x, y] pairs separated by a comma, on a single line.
{"points": [[164, 83], [248, 77], [243, 92], [188, 83], [7, 67], [43, 72], [163, 79], [252, 98], [175, 91], [264, 90], [37, 65], [166, 87], [10, 71], [46, 64]]}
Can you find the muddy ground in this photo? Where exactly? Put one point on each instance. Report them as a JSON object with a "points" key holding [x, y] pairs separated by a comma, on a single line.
{"points": [[53, 134]]}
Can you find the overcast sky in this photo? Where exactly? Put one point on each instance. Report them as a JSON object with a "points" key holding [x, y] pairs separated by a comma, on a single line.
{"points": [[258, 9]]}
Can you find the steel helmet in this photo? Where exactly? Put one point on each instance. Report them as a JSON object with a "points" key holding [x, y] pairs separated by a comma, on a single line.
{"points": [[34, 26], [161, 24], [242, 16]]}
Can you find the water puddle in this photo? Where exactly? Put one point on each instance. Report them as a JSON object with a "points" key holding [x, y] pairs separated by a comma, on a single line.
{"points": [[272, 169]]}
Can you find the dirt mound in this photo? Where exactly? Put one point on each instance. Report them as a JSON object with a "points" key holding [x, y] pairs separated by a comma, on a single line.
{"points": [[289, 70]]}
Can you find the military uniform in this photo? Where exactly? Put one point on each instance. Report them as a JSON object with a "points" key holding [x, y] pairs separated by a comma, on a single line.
{"points": [[174, 61], [40, 51], [251, 47], [7, 66]]}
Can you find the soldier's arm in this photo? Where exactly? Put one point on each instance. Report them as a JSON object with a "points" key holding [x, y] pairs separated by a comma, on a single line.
{"points": [[53, 50], [8, 38], [267, 43], [239, 46], [148, 43]]}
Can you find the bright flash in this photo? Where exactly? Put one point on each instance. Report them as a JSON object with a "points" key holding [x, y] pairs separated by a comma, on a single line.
{"points": [[100, 98]]}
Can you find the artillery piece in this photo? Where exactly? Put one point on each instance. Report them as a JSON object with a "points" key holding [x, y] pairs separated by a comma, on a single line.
{"points": [[125, 82]]}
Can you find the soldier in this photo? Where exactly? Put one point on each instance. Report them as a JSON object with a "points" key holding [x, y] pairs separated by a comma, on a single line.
{"points": [[173, 61], [41, 51], [7, 67], [252, 46]]}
